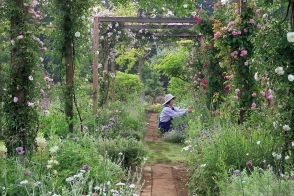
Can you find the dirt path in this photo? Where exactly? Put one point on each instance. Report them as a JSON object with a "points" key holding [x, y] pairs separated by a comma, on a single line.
{"points": [[162, 179]]}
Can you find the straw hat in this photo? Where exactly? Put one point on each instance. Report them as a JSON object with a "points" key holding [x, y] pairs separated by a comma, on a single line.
{"points": [[167, 98]]}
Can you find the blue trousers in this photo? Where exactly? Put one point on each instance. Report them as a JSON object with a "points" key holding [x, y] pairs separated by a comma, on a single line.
{"points": [[164, 126]]}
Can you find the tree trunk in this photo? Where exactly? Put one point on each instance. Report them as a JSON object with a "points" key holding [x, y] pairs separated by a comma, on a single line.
{"points": [[68, 46], [95, 64]]}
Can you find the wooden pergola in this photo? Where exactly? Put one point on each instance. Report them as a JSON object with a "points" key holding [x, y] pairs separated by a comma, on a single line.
{"points": [[136, 23]]}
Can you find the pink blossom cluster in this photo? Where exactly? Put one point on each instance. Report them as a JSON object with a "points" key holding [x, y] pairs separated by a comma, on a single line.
{"points": [[268, 94], [228, 77], [197, 19], [243, 53], [235, 33], [47, 79], [234, 54], [216, 35]]}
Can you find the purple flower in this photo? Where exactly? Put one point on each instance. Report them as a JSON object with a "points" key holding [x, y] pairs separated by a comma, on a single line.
{"points": [[245, 30], [20, 150], [249, 164], [85, 167]]}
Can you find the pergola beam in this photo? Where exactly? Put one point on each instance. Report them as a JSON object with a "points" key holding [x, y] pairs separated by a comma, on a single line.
{"points": [[152, 26], [146, 20]]}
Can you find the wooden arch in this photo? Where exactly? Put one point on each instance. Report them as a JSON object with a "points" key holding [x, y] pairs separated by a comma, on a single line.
{"points": [[135, 23]]}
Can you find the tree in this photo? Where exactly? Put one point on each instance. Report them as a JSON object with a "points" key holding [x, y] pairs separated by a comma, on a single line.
{"points": [[20, 114]]}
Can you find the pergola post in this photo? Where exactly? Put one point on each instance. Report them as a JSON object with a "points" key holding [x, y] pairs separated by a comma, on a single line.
{"points": [[95, 64]]}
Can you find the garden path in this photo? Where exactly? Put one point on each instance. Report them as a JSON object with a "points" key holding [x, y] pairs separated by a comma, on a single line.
{"points": [[162, 179]]}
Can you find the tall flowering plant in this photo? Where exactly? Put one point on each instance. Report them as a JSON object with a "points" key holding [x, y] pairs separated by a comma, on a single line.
{"points": [[232, 38], [212, 73]]}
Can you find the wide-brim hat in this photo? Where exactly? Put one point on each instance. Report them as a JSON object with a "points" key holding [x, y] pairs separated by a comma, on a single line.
{"points": [[167, 98]]}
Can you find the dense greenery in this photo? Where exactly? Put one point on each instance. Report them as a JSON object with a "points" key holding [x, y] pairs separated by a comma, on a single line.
{"points": [[237, 74]]}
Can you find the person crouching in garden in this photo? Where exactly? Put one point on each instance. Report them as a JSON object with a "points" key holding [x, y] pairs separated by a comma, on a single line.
{"points": [[169, 112]]}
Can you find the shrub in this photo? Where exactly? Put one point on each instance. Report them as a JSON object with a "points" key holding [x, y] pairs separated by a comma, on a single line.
{"points": [[174, 136], [259, 182], [223, 147], [127, 85], [131, 149]]}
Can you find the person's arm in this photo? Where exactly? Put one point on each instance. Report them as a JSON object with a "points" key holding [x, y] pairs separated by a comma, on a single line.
{"points": [[174, 113], [179, 109]]}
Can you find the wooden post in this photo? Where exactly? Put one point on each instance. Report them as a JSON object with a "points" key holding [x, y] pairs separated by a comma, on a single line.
{"points": [[113, 79], [96, 40], [106, 73]]}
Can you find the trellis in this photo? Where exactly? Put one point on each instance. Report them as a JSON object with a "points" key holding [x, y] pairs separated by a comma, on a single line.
{"points": [[136, 23]]}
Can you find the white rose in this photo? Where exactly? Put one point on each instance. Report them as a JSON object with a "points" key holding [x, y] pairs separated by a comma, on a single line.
{"points": [[77, 34], [256, 77], [280, 71], [286, 128], [291, 77]]}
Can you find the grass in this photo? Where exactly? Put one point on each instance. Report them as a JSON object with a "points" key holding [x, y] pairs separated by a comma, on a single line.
{"points": [[164, 152]]}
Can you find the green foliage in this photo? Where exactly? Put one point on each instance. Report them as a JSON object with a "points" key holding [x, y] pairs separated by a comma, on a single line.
{"points": [[259, 182], [178, 87], [173, 64], [127, 85], [130, 149], [153, 87]]}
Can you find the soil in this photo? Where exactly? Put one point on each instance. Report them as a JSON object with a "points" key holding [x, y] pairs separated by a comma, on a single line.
{"points": [[162, 179]]}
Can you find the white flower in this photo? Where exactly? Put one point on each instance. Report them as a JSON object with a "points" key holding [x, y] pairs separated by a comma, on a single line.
{"points": [[256, 77], [53, 150], [3, 150], [19, 37], [292, 144], [203, 165], [280, 71], [31, 78], [83, 17], [41, 59], [185, 5], [291, 77], [77, 34], [69, 179], [264, 15], [41, 142], [120, 153], [278, 156], [37, 183], [24, 182], [258, 142], [287, 157], [187, 148], [292, 173], [275, 124], [120, 184], [286, 128], [99, 66], [48, 166], [12, 42], [15, 99], [132, 186], [31, 104]]}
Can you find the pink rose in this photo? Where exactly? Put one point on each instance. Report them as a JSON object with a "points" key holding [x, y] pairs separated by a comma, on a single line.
{"points": [[235, 33], [252, 21], [216, 35], [243, 53], [15, 99], [253, 105], [246, 63], [245, 30], [253, 95]]}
